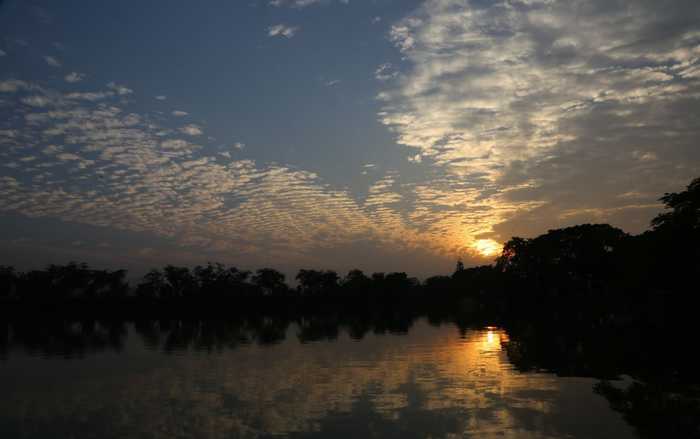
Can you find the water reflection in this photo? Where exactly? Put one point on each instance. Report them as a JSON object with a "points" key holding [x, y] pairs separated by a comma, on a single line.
{"points": [[266, 377]]}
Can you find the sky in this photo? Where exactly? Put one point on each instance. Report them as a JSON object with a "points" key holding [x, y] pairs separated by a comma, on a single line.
{"points": [[388, 135]]}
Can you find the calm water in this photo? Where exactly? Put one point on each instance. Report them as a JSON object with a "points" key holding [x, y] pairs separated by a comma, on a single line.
{"points": [[433, 382]]}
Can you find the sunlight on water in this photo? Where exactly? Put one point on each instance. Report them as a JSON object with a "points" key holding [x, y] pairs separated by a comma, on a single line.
{"points": [[432, 382]]}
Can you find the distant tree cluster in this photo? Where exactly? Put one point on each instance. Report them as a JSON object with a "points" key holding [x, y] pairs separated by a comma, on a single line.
{"points": [[62, 282], [206, 283]]}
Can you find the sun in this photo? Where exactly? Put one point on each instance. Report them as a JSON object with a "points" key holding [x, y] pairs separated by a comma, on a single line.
{"points": [[487, 247]]}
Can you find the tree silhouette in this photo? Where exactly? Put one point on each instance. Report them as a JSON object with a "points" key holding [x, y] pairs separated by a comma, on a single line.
{"points": [[673, 247], [217, 281], [583, 252], [317, 283], [8, 281], [356, 282], [270, 281], [685, 210], [152, 286]]}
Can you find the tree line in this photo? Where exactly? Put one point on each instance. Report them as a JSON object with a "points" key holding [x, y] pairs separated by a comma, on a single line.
{"points": [[212, 281], [585, 266]]}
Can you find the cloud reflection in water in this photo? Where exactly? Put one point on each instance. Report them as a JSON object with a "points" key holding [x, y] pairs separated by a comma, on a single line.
{"points": [[429, 383]]}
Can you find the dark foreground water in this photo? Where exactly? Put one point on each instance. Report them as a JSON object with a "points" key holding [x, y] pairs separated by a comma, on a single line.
{"points": [[432, 382]]}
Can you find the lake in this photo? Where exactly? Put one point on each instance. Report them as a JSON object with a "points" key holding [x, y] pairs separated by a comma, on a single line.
{"points": [[194, 379]]}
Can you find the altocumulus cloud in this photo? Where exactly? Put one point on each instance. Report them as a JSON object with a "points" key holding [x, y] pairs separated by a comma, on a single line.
{"points": [[94, 162], [191, 129], [74, 77], [52, 61], [541, 113], [304, 3], [524, 114], [282, 30]]}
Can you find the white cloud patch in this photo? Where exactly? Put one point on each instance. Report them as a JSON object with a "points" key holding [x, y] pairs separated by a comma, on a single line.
{"points": [[192, 130], [299, 4], [89, 95], [67, 156], [52, 61], [73, 77], [36, 101], [178, 113], [294, 3], [415, 158], [385, 72], [282, 30], [52, 149], [119, 89]]}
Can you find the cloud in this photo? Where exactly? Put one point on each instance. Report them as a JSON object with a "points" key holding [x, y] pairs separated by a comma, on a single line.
{"points": [[304, 3], [36, 101], [52, 61], [119, 89], [523, 114], [530, 101], [415, 158], [52, 149], [161, 98], [67, 156], [74, 77], [178, 113], [282, 30], [2, 52], [192, 130], [294, 3], [385, 72], [332, 82], [89, 95], [443, 395], [97, 163], [13, 85]]}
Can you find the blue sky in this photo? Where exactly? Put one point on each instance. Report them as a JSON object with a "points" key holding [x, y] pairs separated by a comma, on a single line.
{"points": [[385, 134]]}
